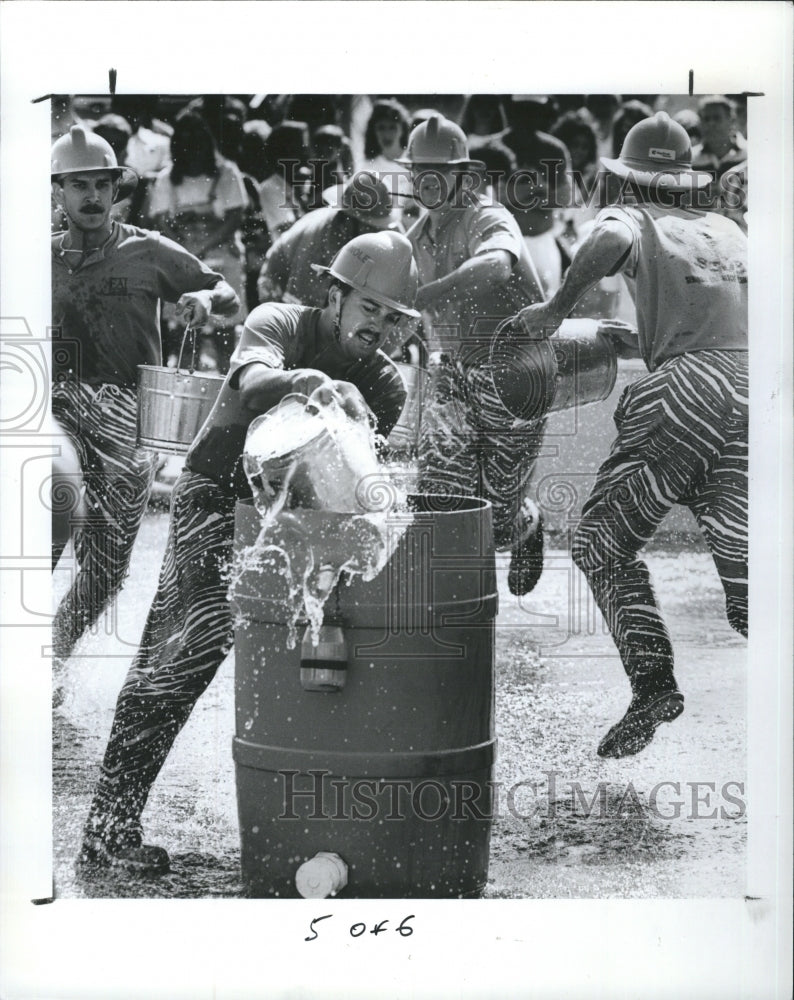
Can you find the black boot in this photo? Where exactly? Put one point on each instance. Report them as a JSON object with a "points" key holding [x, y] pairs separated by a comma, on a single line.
{"points": [[128, 854], [526, 556], [655, 699]]}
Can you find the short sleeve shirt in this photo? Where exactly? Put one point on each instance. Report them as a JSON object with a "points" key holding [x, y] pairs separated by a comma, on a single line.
{"points": [[106, 311], [286, 337], [687, 273], [314, 239], [474, 226], [203, 195], [279, 208], [198, 206]]}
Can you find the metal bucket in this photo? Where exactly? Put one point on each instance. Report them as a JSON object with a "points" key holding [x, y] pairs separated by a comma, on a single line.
{"points": [[405, 433], [587, 364], [293, 442], [576, 366], [173, 404]]}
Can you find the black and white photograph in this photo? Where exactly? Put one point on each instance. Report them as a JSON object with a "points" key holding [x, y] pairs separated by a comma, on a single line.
{"points": [[396, 483]]}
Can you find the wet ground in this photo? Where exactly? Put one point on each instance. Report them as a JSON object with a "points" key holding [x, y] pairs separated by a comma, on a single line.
{"points": [[667, 823]]}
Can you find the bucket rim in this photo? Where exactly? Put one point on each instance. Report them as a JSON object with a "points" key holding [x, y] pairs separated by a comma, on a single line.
{"points": [[165, 370]]}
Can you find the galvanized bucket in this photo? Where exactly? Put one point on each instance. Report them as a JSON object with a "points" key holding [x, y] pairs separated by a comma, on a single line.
{"points": [[404, 437], [292, 445], [173, 403], [576, 366], [587, 364]]}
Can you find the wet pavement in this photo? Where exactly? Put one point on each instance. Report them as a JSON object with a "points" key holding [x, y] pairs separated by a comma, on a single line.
{"points": [[669, 822]]}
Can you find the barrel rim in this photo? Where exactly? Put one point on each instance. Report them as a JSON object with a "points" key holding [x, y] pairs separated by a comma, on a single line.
{"points": [[366, 764], [474, 504]]}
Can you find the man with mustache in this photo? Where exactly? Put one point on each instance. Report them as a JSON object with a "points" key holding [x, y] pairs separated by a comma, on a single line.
{"points": [[333, 353], [108, 280]]}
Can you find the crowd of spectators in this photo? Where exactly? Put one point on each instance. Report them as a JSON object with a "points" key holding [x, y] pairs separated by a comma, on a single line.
{"points": [[227, 176]]}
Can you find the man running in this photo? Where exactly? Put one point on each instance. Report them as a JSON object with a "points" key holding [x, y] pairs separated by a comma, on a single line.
{"points": [[108, 280], [683, 428]]}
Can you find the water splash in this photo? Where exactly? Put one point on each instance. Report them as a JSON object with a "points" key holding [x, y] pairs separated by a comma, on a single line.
{"points": [[298, 489]]}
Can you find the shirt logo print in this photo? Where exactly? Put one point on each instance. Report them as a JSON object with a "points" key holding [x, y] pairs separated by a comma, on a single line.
{"points": [[115, 286]]}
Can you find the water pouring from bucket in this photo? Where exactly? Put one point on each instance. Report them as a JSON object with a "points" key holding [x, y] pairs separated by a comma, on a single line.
{"points": [[326, 505]]}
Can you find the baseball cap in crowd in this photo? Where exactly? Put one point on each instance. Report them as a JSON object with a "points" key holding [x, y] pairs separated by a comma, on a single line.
{"points": [[366, 198]]}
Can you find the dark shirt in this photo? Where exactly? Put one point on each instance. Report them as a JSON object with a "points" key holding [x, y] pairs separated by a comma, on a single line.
{"points": [[314, 239], [549, 158], [106, 307], [285, 337]]}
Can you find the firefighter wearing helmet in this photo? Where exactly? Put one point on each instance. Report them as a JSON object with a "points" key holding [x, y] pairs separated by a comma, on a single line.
{"points": [[682, 428], [108, 282], [333, 353], [474, 272]]}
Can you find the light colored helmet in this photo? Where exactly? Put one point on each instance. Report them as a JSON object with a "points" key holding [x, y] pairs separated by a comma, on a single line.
{"points": [[81, 151], [438, 142], [658, 150], [380, 266]]}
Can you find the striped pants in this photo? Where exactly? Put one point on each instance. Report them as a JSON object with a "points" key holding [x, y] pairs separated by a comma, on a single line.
{"points": [[682, 439], [101, 423], [187, 635], [467, 448]]}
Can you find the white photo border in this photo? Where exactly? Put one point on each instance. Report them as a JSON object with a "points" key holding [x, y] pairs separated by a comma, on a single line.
{"points": [[246, 948]]}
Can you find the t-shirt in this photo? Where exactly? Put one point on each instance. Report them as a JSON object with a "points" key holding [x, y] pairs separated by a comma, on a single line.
{"points": [[147, 152], [198, 205], [703, 158], [314, 239], [286, 337], [106, 312], [467, 227], [280, 208], [687, 273]]}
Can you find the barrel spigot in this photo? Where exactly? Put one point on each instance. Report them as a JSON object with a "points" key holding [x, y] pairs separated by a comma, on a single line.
{"points": [[321, 876], [324, 663]]}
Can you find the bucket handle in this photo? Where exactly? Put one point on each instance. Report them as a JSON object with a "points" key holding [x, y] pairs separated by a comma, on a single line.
{"points": [[188, 329]]}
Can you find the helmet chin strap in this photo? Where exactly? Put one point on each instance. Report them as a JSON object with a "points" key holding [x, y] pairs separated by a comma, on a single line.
{"points": [[337, 323], [338, 316]]}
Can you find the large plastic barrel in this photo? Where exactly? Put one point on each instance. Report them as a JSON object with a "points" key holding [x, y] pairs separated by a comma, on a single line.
{"points": [[392, 773]]}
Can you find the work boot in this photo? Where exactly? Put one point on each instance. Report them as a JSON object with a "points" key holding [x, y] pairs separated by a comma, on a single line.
{"points": [[634, 732], [131, 857], [526, 556]]}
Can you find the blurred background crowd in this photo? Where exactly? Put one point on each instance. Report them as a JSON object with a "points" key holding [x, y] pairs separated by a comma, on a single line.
{"points": [[229, 176]]}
